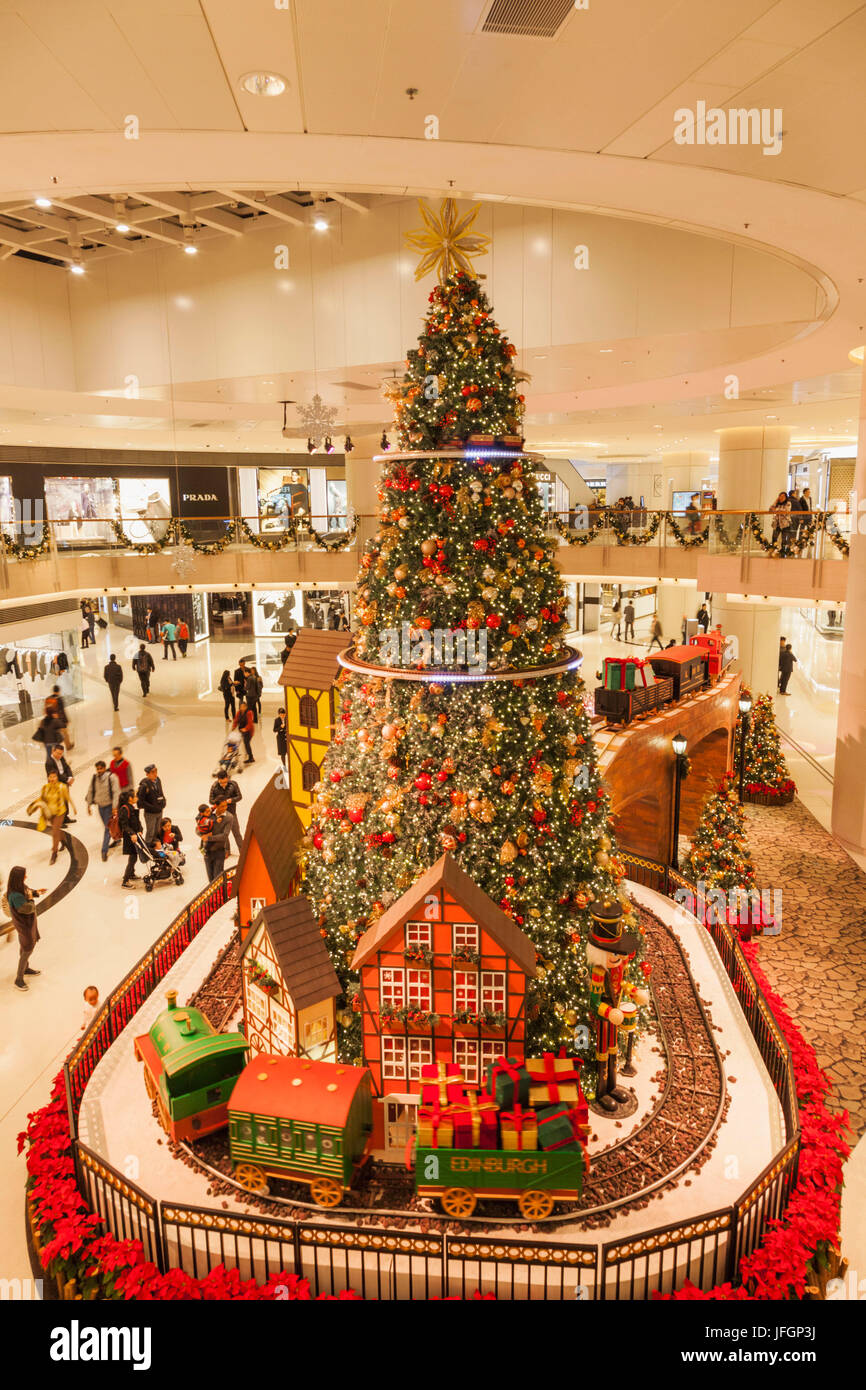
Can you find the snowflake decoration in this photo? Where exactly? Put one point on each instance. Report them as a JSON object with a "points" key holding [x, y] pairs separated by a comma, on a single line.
{"points": [[447, 243], [184, 561], [317, 419]]}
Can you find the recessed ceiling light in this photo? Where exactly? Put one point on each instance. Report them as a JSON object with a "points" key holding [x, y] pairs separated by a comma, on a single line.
{"points": [[263, 84], [320, 224], [190, 250], [605, 349], [77, 268], [121, 226], [43, 202]]}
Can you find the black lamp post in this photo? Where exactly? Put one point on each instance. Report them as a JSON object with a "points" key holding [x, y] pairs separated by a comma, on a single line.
{"points": [[745, 703], [679, 744]]}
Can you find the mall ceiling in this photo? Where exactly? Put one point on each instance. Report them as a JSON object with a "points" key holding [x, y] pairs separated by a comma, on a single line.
{"points": [[137, 113]]}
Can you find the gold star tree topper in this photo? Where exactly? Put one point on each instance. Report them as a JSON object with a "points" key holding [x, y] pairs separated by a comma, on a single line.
{"points": [[446, 242]]}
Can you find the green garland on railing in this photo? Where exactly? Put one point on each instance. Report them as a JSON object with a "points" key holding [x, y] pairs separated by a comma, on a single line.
{"points": [[624, 535], [206, 547], [573, 537], [145, 547], [19, 550], [330, 540], [270, 540], [687, 542], [718, 525], [832, 530]]}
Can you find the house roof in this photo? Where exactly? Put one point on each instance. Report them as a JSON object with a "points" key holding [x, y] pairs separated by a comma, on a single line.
{"points": [[293, 1088], [279, 830], [303, 957], [678, 654], [312, 663], [446, 873]]}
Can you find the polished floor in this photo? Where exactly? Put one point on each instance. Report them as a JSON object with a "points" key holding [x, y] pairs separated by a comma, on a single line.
{"points": [[98, 930]]}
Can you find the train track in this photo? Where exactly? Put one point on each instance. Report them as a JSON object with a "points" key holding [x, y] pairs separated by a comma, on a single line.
{"points": [[676, 1135], [220, 995]]}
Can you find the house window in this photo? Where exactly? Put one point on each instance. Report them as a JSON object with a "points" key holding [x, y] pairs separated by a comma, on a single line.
{"points": [[418, 990], [465, 991], [493, 990], [466, 1056], [420, 1055], [393, 1058], [257, 1001], [309, 776], [308, 714], [316, 1031], [392, 988], [419, 934], [282, 1028], [491, 1051], [465, 936]]}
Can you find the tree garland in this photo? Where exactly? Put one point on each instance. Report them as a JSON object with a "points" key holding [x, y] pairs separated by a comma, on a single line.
{"points": [[206, 547], [330, 540], [22, 551], [270, 540], [687, 542], [573, 537], [623, 534], [144, 547]]}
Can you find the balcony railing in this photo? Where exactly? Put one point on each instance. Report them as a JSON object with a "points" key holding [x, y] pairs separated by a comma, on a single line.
{"points": [[814, 536]]}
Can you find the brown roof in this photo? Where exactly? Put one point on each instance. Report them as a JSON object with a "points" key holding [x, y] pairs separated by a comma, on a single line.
{"points": [[312, 662], [279, 830], [446, 873], [303, 956]]}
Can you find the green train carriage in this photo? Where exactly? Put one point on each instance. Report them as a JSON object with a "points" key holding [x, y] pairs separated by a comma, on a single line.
{"points": [[190, 1070], [302, 1120]]}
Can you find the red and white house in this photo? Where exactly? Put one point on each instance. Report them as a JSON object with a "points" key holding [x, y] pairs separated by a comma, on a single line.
{"points": [[443, 979]]}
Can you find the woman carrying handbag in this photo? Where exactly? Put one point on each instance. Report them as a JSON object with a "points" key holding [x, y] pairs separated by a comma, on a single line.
{"points": [[20, 903]]}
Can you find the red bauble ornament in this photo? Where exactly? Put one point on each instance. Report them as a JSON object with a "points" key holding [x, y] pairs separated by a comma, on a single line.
{"points": [[422, 782], [441, 776], [318, 841], [423, 799], [591, 806], [336, 776], [356, 816]]}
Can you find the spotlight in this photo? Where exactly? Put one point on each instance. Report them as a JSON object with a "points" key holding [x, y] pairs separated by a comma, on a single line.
{"points": [[329, 444], [122, 227], [190, 250], [383, 442], [43, 202], [348, 446], [311, 448], [320, 224], [77, 268], [189, 247]]}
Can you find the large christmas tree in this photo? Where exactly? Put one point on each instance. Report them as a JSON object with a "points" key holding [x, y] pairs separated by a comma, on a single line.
{"points": [[720, 856], [499, 771]]}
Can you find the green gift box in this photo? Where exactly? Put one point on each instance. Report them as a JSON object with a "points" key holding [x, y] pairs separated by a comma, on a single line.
{"points": [[555, 1128], [507, 1081]]}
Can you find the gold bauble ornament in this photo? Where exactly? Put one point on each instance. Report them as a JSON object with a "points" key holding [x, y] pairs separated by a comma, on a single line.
{"points": [[570, 1017], [602, 859]]}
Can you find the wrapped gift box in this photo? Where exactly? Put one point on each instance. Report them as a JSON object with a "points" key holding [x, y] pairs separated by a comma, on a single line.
{"points": [[619, 673], [435, 1127], [507, 1081], [552, 1080], [556, 1128], [441, 1083], [519, 1128], [475, 1122]]}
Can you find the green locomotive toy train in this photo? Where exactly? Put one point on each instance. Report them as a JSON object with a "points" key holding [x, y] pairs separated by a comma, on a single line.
{"points": [[190, 1070]]}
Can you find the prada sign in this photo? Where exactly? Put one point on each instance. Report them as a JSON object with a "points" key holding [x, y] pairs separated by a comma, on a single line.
{"points": [[203, 492]]}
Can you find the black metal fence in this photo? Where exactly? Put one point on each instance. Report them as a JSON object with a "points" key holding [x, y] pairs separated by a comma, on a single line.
{"points": [[385, 1263]]}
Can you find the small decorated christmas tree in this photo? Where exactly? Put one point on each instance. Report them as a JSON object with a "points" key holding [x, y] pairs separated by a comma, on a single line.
{"points": [[767, 777], [720, 857]]}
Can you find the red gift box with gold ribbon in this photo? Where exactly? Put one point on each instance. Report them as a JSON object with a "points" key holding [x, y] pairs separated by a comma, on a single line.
{"points": [[441, 1083], [475, 1122]]}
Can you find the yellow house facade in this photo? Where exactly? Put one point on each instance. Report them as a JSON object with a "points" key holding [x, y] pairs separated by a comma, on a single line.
{"points": [[309, 677]]}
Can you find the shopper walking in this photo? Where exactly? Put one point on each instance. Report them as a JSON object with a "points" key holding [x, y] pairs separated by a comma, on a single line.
{"points": [[786, 668], [253, 692], [53, 803], [245, 724], [22, 910], [122, 769], [113, 676], [104, 794], [130, 828], [151, 801], [142, 665], [169, 635], [56, 762], [215, 841], [49, 731], [281, 730], [182, 637], [628, 614], [90, 619], [227, 690], [85, 633], [781, 513], [656, 634], [57, 705], [288, 642], [783, 641], [240, 680], [704, 618], [226, 789]]}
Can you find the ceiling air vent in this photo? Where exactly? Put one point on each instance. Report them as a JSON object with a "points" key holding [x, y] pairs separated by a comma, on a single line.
{"points": [[534, 19]]}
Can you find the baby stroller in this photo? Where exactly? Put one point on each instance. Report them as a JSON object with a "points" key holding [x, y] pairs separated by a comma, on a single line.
{"points": [[230, 760], [162, 863]]}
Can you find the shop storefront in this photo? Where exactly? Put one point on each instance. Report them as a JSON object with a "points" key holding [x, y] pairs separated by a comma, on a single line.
{"points": [[31, 666], [150, 610], [272, 498]]}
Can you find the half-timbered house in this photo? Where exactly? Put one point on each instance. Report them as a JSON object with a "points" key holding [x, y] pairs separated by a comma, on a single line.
{"points": [[289, 984], [309, 677], [267, 868]]}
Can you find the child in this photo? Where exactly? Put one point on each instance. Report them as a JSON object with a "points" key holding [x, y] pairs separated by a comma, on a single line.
{"points": [[91, 1001]]}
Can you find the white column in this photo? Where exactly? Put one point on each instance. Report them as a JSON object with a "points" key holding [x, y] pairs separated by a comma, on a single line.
{"points": [[673, 602], [753, 467], [756, 627], [849, 786]]}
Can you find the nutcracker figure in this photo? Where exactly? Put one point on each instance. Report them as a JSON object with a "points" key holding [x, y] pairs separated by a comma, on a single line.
{"points": [[614, 1001]]}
